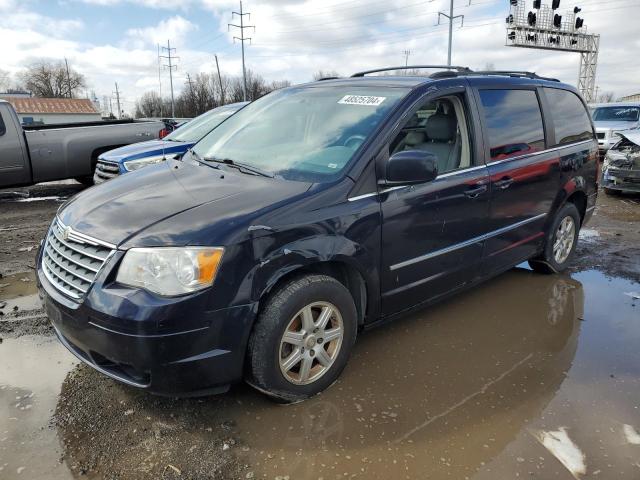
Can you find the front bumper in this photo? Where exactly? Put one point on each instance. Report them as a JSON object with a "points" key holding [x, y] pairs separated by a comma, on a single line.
{"points": [[166, 346], [621, 180]]}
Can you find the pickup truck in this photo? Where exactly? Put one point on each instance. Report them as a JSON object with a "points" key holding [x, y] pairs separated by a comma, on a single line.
{"points": [[43, 153]]}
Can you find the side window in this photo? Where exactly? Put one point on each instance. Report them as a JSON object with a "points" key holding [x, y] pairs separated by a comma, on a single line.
{"points": [[440, 127], [514, 122], [3, 129], [570, 118]]}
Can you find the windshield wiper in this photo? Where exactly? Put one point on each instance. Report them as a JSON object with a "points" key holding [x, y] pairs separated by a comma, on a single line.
{"points": [[242, 167]]}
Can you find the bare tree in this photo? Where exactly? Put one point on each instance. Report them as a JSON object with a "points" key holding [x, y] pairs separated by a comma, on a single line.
{"points": [[149, 105], [5, 80], [605, 97], [50, 80], [325, 74]]}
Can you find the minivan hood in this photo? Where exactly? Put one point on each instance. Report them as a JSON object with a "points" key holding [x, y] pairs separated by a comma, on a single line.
{"points": [[145, 149], [117, 210]]}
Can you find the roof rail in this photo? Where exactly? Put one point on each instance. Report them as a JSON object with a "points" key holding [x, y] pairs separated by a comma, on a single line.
{"points": [[511, 73], [462, 70], [326, 78]]}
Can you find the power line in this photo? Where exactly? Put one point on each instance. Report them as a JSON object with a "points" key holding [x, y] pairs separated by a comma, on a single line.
{"points": [[170, 67], [242, 39], [220, 81]]}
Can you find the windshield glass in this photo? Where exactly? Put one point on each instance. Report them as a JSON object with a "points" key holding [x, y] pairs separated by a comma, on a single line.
{"points": [[620, 114], [200, 126], [307, 134]]}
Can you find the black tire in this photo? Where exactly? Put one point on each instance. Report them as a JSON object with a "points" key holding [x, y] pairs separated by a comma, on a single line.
{"points": [[611, 192], [264, 351], [547, 262], [86, 181]]}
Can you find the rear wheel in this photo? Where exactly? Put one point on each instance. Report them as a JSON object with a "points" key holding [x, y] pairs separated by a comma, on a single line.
{"points": [[560, 242], [302, 338], [612, 192]]}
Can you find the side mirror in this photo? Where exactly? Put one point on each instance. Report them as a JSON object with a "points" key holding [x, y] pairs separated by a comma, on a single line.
{"points": [[410, 167]]}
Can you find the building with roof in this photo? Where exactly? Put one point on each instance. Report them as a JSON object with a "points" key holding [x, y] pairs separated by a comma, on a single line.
{"points": [[631, 98], [47, 111]]}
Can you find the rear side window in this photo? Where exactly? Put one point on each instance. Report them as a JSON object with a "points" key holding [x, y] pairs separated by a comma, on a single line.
{"points": [[514, 122], [3, 129], [570, 118]]}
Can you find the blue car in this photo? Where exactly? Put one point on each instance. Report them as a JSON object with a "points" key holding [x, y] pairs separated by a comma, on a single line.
{"points": [[138, 155]]}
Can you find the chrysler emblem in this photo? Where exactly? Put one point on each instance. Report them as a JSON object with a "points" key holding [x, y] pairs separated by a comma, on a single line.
{"points": [[66, 232]]}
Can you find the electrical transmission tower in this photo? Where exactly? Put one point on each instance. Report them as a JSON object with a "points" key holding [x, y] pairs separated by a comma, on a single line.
{"points": [[117, 94], [192, 97], [545, 29], [406, 54], [160, 79], [170, 66], [242, 39], [451, 17]]}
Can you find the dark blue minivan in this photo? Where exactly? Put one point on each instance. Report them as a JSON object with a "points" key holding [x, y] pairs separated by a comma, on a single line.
{"points": [[315, 212], [138, 155]]}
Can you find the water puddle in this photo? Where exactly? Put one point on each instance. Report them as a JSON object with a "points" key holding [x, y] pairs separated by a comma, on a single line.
{"points": [[18, 292], [32, 370], [525, 376]]}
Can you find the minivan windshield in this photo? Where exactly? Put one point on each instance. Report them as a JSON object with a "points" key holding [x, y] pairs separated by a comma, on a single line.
{"points": [[306, 134], [620, 114], [203, 124]]}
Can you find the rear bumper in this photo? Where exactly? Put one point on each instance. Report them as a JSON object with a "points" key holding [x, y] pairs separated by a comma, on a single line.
{"points": [[200, 360]]}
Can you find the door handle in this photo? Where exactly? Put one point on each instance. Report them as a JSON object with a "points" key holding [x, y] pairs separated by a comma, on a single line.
{"points": [[475, 192], [504, 183]]}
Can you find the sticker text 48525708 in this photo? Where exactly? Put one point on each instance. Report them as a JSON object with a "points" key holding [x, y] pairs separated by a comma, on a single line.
{"points": [[361, 100]]}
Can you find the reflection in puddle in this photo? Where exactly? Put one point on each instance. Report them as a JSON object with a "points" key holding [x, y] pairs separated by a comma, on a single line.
{"points": [[443, 391], [31, 371], [486, 385]]}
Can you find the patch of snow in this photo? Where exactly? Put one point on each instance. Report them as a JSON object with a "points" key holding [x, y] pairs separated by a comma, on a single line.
{"points": [[631, 435]]}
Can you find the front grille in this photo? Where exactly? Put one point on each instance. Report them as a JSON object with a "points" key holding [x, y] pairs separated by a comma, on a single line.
{"points": [[71, 262], [600, 135], [107, 170]]}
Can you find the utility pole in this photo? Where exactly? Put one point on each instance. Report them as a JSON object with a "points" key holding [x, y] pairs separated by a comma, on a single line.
{"points": [[406, 54], [160, 79], [193, 100], [117, 94], [68, 78], [220, 82], [170, 67], [451, 18], [242, 39]]}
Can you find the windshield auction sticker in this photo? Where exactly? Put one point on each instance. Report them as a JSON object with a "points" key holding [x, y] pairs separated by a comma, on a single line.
{"points": [[361, 100]]}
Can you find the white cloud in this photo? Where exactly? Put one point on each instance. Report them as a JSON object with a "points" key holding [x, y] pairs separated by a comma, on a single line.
{"points": [[174, 28]]}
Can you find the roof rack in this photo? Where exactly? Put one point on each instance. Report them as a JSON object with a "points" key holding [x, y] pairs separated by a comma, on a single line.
{"points": [[326, 78], [512, 73], [462, 70]]}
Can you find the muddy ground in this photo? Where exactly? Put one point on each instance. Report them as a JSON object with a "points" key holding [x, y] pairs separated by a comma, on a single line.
{"points": [[526, 375]]}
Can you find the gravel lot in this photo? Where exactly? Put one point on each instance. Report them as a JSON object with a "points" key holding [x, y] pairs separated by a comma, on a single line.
{"points": [[495, 383]]}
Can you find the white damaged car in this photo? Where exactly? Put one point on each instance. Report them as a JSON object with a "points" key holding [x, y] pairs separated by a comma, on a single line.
{"points": [[621, 167]]}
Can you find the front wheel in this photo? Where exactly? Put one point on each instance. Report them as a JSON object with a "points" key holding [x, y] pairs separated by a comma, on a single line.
{"points": [[560, 242], [302, 338]]}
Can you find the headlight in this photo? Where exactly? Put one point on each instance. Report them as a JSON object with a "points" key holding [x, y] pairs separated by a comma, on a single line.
{"points": [[143, 162], [170, 271]]}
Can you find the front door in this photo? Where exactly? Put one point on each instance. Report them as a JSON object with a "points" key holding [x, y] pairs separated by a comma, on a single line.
{"points": [[14, 164], [432, 233]]}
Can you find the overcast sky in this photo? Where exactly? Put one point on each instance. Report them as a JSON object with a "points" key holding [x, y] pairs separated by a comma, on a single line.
{"points": [[116, 40]]}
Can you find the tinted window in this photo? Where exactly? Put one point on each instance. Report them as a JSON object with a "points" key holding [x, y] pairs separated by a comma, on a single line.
{"points": [[570, 118], [3, 129], [514, 122]]}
